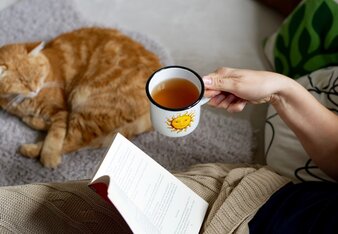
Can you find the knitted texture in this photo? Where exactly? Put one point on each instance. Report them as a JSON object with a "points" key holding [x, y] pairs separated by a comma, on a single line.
{"points": [[57, 208], [234, 194]]}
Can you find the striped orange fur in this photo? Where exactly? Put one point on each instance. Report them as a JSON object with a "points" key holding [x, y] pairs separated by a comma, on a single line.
{"points": [[82, 88]]}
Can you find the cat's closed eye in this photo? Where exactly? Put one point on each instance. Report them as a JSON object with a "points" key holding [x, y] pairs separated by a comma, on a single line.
{"points": [[3, 69]]}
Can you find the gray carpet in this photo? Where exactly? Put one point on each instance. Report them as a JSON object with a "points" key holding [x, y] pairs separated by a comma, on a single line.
{"points": [[217, 139]]}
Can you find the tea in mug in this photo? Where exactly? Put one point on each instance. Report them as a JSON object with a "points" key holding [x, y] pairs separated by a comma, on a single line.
{"points": [[175, 93]]}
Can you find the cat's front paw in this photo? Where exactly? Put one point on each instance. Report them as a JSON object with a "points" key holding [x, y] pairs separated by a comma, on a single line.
{"points": [[37, 123], [31, 150], [50, 160]]}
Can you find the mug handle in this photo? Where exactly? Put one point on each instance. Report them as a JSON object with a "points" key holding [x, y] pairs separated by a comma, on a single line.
{"points": [[204, 100]]}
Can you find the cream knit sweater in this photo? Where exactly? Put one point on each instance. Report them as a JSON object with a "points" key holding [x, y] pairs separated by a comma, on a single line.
{"points": [[234, 194]]}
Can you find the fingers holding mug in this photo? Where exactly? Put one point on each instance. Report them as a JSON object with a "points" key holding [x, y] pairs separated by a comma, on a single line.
{"points": [[228, 101]]}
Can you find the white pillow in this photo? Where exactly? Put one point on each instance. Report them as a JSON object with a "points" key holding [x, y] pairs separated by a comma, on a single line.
{"points": [[284, 153]]}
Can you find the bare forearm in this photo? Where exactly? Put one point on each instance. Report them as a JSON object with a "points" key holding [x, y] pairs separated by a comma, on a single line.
{"points": [[315, 126]]}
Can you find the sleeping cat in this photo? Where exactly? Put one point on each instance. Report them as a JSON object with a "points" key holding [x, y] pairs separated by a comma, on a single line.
{"points": [[81, 87]]}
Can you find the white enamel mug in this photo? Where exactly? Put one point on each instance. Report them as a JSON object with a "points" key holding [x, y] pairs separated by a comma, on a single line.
{"points": [[175, 122]]}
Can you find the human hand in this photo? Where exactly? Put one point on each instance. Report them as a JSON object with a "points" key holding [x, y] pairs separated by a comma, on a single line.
{"points": [[232, 88]]}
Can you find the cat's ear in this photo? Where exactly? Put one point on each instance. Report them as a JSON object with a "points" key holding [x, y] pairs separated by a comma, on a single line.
{"points": [[35, 48]]}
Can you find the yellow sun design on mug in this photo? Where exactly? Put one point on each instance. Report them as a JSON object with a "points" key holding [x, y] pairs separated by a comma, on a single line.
{"points": [[181, 122]]}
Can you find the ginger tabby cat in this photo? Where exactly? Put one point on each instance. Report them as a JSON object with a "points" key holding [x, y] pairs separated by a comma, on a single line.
{"points": [[81, 87]]}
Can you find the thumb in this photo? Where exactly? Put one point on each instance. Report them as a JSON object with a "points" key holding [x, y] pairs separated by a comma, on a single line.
{"points": [[216, 81]]}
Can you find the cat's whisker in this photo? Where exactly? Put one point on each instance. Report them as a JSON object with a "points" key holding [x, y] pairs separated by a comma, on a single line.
{"points": [[52, 84], [18, 98], [14, 102]]}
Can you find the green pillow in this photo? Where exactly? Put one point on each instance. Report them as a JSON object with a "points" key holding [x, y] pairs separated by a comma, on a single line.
{"points": [[307, 40]]}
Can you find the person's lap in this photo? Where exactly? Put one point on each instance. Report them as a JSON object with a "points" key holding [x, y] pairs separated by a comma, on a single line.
{"points": [[72, 207]]}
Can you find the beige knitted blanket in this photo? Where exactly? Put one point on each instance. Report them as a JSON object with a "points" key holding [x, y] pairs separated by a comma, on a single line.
{"points": [[234, 194]]}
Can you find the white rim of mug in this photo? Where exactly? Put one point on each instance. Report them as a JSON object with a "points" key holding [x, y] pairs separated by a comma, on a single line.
{"points": [[175, 109]]}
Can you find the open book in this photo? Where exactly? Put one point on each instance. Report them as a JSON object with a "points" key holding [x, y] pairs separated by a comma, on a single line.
{"points": [[149, 198]]}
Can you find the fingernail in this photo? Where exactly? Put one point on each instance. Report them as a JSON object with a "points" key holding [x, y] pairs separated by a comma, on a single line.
{"points": [[242, 105], [207, 80]]}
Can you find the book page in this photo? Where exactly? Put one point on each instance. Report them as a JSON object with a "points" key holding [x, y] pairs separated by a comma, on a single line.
{"points": [[150, 198]]}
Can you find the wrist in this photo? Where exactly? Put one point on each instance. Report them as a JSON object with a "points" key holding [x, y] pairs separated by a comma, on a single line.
{"points": [[285, 89]]}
